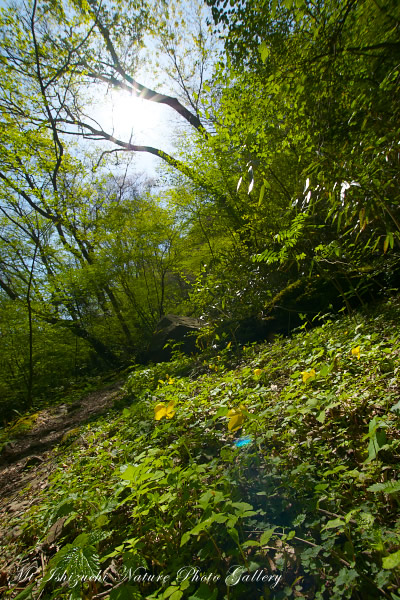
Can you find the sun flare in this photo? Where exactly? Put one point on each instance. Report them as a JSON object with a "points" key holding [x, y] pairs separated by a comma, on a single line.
{"points": [[130, 114]]}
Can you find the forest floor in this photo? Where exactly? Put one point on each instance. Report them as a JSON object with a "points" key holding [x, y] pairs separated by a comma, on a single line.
{"points": [[27, 462], [278, 458]]}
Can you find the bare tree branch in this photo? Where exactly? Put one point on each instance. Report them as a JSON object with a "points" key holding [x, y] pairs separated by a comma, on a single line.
{"points": [[59, 149], [100, 134], [137, 88]]}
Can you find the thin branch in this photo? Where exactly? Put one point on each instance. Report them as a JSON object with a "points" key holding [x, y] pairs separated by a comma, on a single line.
{"points": [[63, 69], [8, 290], [357, 50], [26, 197], [100, 134], [108, 592], [115, 151], [59, 149], [141, 90]]}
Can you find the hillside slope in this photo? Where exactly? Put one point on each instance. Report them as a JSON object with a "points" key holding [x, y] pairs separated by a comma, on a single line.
{"points": [[269, 471]]}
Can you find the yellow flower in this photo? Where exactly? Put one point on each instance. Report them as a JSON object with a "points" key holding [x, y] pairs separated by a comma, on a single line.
{"points": [[356, 351], [236, 419], [170, 381], [160, 410], [307, 375], [257, 372]]}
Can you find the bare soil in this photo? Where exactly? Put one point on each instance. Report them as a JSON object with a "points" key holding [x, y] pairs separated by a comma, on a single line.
{"points": [[27, 463]]}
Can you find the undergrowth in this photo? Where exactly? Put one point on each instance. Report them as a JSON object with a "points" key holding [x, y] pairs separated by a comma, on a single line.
{"points": [[270, 472]]}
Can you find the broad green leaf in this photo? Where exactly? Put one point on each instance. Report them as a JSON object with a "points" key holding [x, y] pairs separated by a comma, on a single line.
{"points": [[392, 561], [129, 472], [376, 443], [75, 563], [173, 592], [264, 51], [334, 523], [324, 370], [346, 577], [266, 536]]}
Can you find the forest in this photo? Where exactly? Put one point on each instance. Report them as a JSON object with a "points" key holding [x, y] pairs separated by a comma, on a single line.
{"points": [[233, 163]]}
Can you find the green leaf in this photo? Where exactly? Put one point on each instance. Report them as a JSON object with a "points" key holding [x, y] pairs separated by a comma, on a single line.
{"points": [[346, 577], [396, 407], [75, 592], [220, 518], [376, 443], [101, 520], [204, 592], [385, 245], [264, 51], [233, 577], [128, 472], [334, 523], [221, 412], [266, 536], [242, 507], [250, 543], [206, 497], [185, 584], [171, 592], [262, 192], [389, 487], [234, 535], [324, 370], [26, 594], [392, 561], [125, 592], [75, 563]]}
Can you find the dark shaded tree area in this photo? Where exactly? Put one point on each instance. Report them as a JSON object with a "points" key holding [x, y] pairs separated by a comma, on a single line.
{"points": [[310, 112]]}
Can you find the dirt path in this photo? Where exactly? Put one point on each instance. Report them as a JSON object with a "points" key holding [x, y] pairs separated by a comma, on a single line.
{"points": [[29, 461]]}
